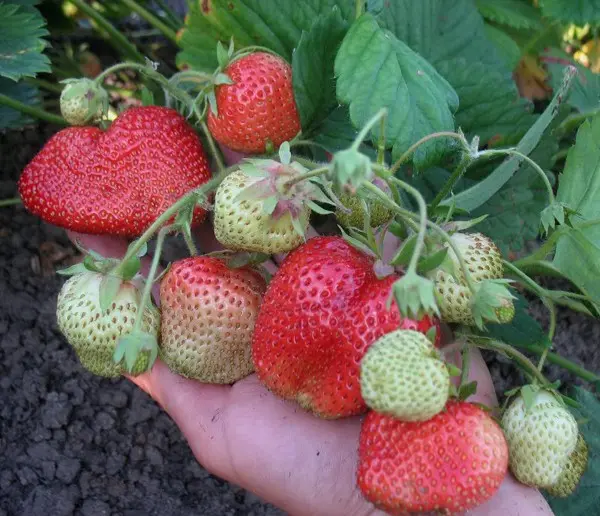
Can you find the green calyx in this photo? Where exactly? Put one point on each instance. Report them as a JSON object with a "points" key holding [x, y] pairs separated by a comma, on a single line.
{"points": [[83, 101], [414, 295]]}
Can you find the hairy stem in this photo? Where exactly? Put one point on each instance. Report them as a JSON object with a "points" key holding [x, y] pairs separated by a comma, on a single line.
{"points": [[151, 19], [526, 158], [139, 319], [116, 38], [43, 84], [409, 218], [211, 143], [380, 115], [31, 110], [416, 145], [307, 175], [420, 243], [192, 196], [517, 356], [452, 180]]}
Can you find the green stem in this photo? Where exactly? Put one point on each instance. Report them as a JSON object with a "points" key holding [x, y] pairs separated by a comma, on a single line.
{"points": [[410, 217], [420, 243], [543, 251], [151, 19], [137, 325], [517, 356], [551, 331], [359, 6], [190, 76], [116, 38], [452, 180], [189, 242], [533, 164], [381, 114], [308, 163], [529, 282], [31, 110], [381, 143], [302, 177], [45, 85], [10, 202], [416, 145], [211, 143], [194, 195]]}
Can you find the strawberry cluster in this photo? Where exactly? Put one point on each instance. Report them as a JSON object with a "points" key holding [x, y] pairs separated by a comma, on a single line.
{"points": [[337, 329]]}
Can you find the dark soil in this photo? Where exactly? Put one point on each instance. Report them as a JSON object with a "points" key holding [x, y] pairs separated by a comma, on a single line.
{"points": [[72, 443]]}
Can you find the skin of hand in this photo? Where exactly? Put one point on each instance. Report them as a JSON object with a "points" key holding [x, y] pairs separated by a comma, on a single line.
{"points": [[273, 448]]}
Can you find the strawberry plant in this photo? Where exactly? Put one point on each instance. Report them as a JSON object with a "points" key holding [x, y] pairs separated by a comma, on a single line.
{"points": [[407, 135]]}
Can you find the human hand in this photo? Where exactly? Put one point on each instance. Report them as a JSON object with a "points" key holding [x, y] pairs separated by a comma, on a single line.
{"points": [[302, 464]]}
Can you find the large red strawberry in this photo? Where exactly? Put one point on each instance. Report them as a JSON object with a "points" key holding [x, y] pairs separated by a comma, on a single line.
{"points": [[258, 107], [322, 310], [119, 181], [450, 463]]}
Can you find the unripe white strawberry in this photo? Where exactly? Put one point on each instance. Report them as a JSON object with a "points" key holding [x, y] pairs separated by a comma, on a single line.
{"points": [[574, 470], [402, 375], [455, 302], [82, 101], [94, 333], [541, 439], [246, 225], [481, 255]]}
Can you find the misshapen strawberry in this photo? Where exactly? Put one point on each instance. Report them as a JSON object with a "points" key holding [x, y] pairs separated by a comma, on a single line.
{"points": [[119, 181], [258, 107], [208, 315], [450, 463], [322, 310]]}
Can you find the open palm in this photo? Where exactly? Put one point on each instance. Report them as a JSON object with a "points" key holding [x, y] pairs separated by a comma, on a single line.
{"points": [[302, 464]]}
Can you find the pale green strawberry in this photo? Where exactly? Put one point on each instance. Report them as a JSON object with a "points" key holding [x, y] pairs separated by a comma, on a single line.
{"points": [[82, 101], [481, 255], [93, 333], [247, 225], [455, 302], [541, 439], [402, 375], [379, 214], [574, 470]]}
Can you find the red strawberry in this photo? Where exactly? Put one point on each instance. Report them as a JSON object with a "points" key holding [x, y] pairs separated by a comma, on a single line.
{"points": [[208, 313], [450, 463], [322, 310], [119, 181], [257, 107]]}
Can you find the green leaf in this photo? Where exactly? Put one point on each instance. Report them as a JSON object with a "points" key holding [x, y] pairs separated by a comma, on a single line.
{"points": [[579, 184], [519, 14], [580, 12], [21, 43], [404, 254], [375, 70], [273, 24], [109, 287], [23, 92], [586, 498], [578, 258], [467, 390], [312, 68], [508, 49], [480, 193], [432, 261], [490, 105], [584, 94], [523, 330], [439, 30]]}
